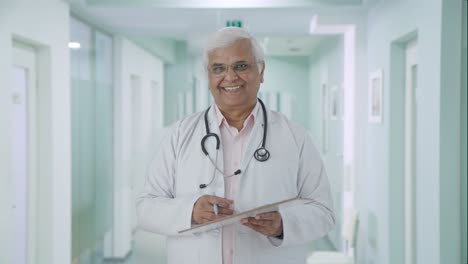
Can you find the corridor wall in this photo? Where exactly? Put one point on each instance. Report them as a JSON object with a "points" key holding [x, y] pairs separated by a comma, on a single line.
{"points": [[20, 20], [138, 120], [326, 68], [464, 136], [437, 233], [178, 76], [288, 76]]}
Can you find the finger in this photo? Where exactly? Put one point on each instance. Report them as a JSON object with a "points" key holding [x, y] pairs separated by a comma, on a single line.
{"points": [[206, 204], [221, 210], [265, 223], [251, 226], [269, 224], [260, 229], [244, 221], [208, 216], [203, 202], [268, 216], [223, 202], [225, 211], [252, 221]]}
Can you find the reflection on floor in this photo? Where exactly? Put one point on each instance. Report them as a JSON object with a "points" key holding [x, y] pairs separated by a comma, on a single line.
{"points": [[148, 248], [151, 249]]}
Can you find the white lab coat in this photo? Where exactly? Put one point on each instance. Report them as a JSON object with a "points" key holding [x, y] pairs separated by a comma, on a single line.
{"points": [[293, 169]]}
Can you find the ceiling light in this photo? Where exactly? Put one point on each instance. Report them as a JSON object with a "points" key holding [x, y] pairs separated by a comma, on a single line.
{"points": [[74, 45], [313, 24]]}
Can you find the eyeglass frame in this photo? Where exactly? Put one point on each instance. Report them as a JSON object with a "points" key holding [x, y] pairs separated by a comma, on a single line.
{"points": [[224, 73]]}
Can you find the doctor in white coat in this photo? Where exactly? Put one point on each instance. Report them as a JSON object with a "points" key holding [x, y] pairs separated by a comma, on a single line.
{"points": [[235, 156]]}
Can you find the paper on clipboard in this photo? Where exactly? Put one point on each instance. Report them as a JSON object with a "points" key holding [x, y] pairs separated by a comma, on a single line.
{"points": [[228, 220]]}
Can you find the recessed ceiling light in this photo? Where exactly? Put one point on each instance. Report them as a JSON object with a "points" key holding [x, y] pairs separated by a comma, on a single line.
{"points": [[74, 45]]}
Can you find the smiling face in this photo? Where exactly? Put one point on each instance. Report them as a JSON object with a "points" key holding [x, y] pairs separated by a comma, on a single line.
{"points": [[236, 89]]}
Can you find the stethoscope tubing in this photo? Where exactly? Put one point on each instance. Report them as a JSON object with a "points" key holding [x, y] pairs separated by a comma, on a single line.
{"points": [[261, 154]]}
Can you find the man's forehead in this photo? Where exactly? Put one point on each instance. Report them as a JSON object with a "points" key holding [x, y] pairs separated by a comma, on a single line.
{"points": [[230, 58], [238, 51]]}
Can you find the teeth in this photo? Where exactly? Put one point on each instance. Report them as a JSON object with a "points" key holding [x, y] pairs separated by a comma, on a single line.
{"points": [[231, 88]]}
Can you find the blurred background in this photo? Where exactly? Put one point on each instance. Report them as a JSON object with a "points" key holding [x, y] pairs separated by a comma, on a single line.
{"points": [[88, 87]]}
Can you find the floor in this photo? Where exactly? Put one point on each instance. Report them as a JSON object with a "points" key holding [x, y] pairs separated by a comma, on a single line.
{"points": [[150, 249]]}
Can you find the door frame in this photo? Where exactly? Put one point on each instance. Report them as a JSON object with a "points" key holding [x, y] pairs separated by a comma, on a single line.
{"points": [[25, 56], [410, 150]]}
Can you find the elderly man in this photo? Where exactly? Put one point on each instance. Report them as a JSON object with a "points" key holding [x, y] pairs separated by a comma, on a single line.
{"points": [[235, 156]]}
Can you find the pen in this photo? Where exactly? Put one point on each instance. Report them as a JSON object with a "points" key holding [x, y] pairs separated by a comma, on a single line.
{"points": [[215, 207]]}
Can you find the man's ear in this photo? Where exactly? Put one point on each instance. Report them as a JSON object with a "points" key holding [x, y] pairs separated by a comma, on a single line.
{"points": [[262, 72]]}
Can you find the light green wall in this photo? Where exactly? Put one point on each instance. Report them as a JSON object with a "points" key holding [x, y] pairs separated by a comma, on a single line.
{"points": [[450, 63], [463, 136], [162, 48], [315, 108], [437, 220], [178, 78], [326, 66], [396, 149], [289, 75]]}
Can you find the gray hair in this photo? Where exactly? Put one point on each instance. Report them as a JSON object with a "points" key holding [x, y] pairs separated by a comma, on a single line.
{"points": [[227, 36]]}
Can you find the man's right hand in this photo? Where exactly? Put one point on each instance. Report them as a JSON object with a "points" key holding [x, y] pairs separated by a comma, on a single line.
{"points": [[203, 209]]}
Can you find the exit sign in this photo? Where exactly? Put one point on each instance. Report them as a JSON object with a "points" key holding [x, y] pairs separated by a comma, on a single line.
{"points": [[234, 23]]}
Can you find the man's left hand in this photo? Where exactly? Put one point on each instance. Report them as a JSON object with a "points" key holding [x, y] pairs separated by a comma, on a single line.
{"points": [[268, 224]]}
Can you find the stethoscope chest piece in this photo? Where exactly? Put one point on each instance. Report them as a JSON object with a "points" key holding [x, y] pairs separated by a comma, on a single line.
{"points": [[262, 154]]}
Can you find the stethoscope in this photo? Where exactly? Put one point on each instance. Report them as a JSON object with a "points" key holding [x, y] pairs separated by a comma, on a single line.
{"points": [[261, 154]]}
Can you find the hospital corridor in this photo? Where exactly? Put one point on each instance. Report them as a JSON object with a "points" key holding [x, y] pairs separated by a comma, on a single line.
{"points": [[90, 89]]}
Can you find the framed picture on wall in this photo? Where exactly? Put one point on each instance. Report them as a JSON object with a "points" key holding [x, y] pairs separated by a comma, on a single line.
{"points": [[375, 96]]}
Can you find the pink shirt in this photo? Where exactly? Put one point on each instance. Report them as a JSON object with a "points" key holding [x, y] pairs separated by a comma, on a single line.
{"points": [[234, 143]]}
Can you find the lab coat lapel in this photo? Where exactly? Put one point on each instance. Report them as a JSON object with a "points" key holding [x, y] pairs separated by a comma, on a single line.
{"points": [[214, 128], [255, 140]]}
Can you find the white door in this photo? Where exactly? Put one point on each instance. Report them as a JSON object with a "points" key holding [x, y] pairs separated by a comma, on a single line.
{"points": [[411, 77], [23, 158]]}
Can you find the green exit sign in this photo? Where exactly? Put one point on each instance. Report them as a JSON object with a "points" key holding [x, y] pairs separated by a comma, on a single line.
{"points": [[234, 23]]}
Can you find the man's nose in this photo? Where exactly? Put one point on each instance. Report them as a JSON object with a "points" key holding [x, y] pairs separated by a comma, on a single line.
{"points": [[230, 74]]}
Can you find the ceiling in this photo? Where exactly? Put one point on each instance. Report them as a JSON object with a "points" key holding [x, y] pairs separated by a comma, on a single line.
{"points": [[281, 25]]}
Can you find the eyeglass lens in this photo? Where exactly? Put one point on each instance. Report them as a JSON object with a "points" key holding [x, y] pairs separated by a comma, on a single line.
{"points": [[238, 67]]}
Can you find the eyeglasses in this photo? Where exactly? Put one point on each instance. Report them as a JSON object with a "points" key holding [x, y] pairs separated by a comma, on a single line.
{"points": [[220, 69]]}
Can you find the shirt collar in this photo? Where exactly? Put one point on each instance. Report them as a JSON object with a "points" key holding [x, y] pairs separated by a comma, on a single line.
{"points": [[222, 119]]}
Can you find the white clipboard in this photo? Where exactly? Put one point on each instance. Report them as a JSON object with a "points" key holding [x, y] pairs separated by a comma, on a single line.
{"points": [[228, 220]]}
